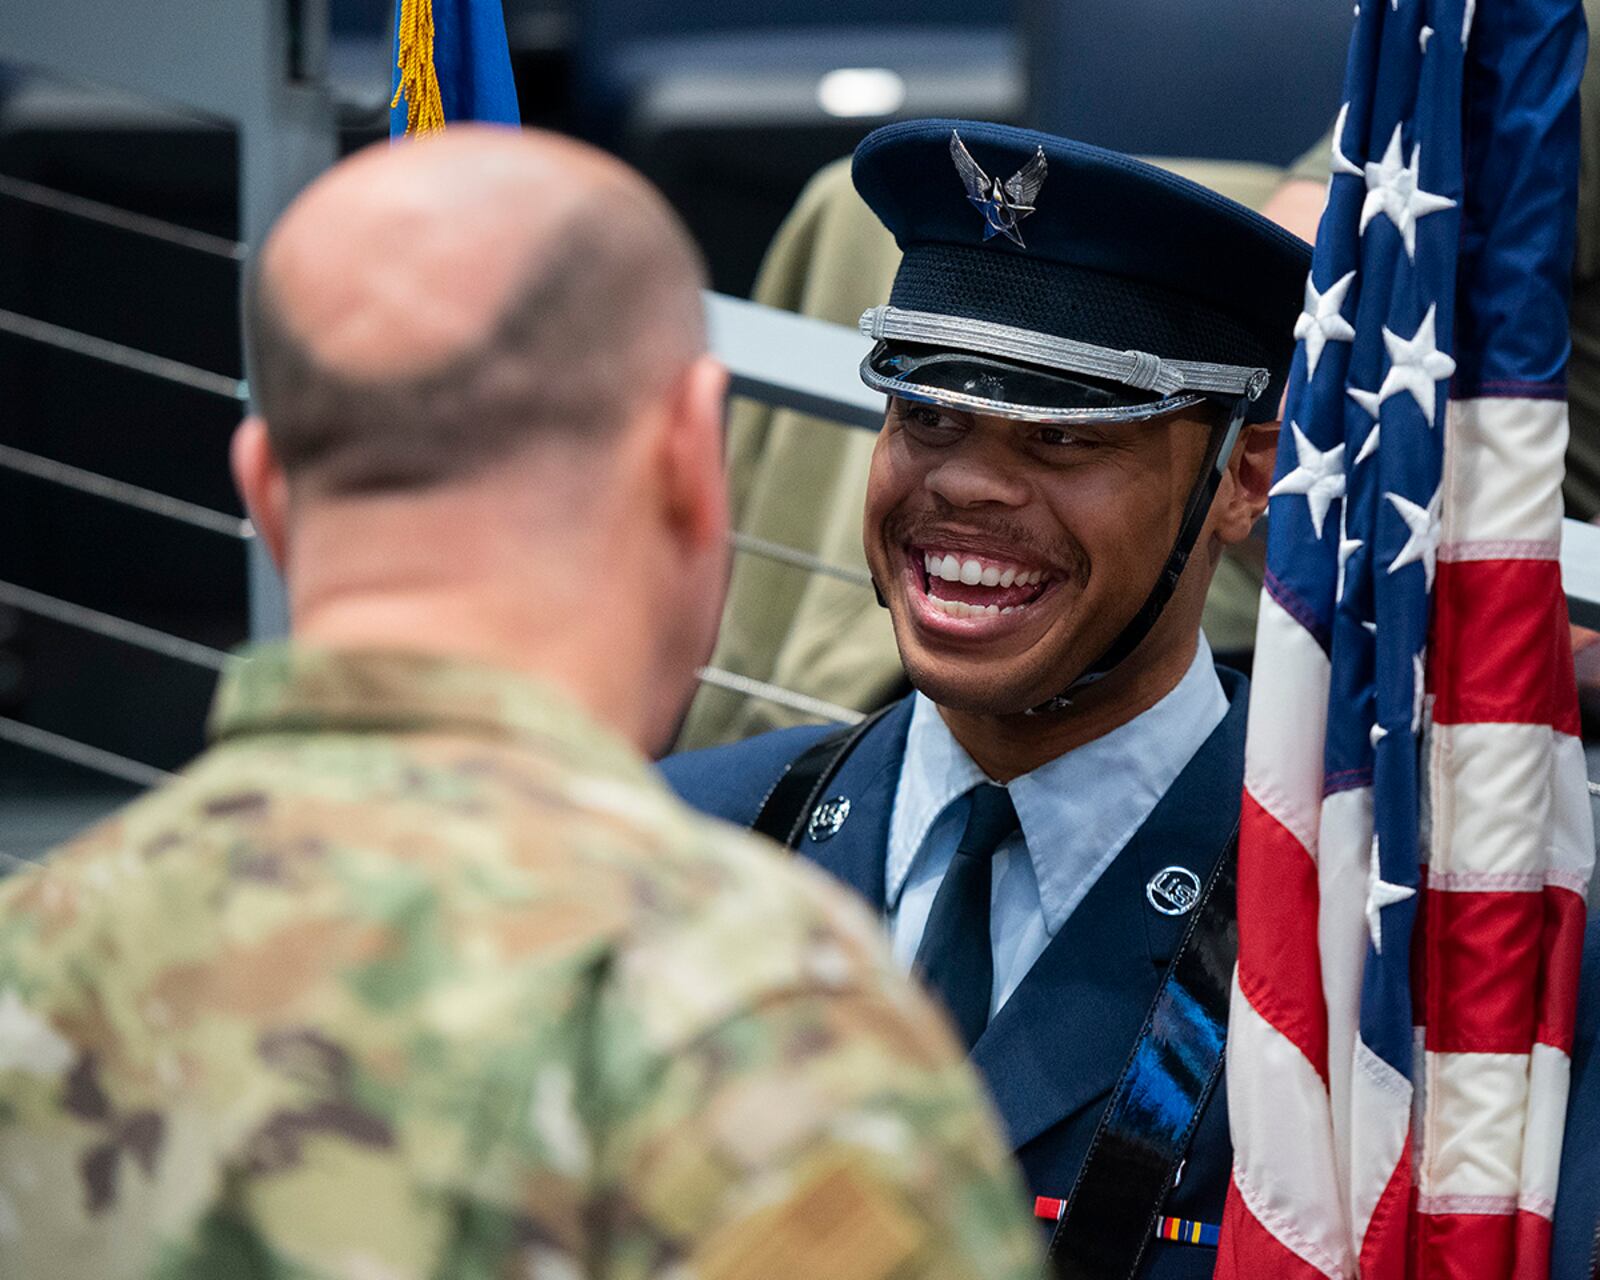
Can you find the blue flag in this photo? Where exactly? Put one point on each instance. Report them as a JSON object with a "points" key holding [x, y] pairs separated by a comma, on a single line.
{"points": [[452, 62]]}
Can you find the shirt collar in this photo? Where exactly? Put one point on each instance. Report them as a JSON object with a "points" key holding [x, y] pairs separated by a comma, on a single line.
{"points": [[1077, 811], [285, 688], [936, 771]]}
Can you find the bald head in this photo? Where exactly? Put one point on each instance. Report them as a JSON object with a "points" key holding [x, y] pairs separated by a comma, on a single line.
{"points": [[425, 310]]}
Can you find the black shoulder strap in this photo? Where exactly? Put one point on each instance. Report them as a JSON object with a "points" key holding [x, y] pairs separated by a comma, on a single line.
{"points": [[1137, 1149], [798, 788]]}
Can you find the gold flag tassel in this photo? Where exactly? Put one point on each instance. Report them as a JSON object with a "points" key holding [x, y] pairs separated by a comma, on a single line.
{"points": [[419, 81]]}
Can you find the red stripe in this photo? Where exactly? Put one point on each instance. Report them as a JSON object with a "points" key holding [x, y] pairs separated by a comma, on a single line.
{"points": [[1278, 953], [1248, 1251], [1485, 956], [1502, 653], [1533, 1247], [1385, 1246], [1465, 1246], [1564, 914]]}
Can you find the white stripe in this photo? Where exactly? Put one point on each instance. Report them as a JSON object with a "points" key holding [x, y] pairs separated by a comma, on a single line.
{"points": [[1284, 743], [1282, 1142], [1503, 467], [1342, 941], [1380, 1107], [1472, 1142], [1507, 882], [1550, 1077], [1481, 1206], [1503, 549], [1491, 800], [1572, 883], [1419, 1099], [1486, 882]]}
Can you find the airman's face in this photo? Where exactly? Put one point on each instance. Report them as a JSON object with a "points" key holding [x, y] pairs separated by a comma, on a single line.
{"points": [[1010, 553]]}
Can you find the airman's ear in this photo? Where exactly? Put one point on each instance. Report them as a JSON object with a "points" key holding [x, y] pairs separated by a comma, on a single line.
{"points": [[692, 447], [259, 478], [1242, 498]]}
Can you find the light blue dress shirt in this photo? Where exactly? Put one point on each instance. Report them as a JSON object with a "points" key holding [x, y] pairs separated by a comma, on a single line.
{"points": [[1077, 812]]}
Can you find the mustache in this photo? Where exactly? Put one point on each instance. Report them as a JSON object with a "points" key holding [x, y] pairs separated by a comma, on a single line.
{"points": [[1063, 554]]}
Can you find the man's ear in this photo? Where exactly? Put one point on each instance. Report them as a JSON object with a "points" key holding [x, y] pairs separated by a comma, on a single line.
{"points": [[1243, 496], [261, 484], [692, 470]]}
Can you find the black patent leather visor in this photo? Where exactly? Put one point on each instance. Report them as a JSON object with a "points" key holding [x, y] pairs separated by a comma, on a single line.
{"points": [[983, 384]]}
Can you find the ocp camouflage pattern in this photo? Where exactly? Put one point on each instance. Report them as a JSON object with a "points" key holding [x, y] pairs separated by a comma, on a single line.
{"points": [[417, 973]]}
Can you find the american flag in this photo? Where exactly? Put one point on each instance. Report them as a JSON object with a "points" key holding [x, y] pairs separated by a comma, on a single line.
{"points": [[1416, 839]]}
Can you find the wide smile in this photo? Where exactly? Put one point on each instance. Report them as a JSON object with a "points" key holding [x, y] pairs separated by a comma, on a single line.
{"points": [[961, 594]]}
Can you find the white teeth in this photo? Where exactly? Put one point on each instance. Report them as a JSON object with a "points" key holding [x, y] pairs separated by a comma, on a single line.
{"points": [[961, 609], [974, 572], [946, 567]]}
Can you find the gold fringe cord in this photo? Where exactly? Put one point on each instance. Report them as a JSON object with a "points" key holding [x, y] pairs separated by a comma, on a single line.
{"points": [[419, 82]]}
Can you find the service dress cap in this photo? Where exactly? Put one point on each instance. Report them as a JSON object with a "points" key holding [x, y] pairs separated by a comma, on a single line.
{"points": [[1052, 280]]}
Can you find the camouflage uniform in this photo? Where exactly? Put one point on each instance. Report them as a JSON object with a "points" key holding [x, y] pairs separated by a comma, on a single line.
{"points": [[416, 973]]}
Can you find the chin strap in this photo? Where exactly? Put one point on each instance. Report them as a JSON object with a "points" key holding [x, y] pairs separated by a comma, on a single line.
{"points": [[1194, 518]]}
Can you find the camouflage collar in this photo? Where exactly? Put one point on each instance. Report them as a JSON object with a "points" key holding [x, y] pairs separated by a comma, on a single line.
{"points": [[284, 688]]}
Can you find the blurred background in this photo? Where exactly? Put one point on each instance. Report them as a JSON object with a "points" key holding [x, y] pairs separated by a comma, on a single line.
{"points": [[122, 561]]}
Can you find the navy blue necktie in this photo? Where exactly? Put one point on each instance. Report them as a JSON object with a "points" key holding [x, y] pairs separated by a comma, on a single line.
{"points": [[955, 957]]}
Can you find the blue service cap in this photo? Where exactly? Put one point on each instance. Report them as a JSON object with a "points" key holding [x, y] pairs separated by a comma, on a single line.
{"points": [[1048, 279]]}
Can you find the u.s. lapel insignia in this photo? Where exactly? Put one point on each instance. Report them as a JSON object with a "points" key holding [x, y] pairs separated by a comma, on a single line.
{"points": [[827, 818], [1002, 204], [1173, 891]]}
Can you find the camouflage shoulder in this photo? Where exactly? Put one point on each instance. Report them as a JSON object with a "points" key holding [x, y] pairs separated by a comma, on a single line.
{"points": [[779, 1101], [728, 919]]}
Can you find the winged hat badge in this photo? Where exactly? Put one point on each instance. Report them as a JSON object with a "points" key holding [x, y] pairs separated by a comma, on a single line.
{"points": [[1002, 204]]}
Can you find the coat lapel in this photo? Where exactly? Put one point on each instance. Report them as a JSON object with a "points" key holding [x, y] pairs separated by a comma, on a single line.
{"points": [[1061, 1040], [855, 853]]}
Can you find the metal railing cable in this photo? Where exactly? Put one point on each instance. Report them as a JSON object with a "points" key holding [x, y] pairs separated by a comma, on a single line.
{"points": [[161, 504], [801, 702], [20, 189], [159, 642], [81, 753], [115, 353], [750, 543], [120, 491], [112, 628]]}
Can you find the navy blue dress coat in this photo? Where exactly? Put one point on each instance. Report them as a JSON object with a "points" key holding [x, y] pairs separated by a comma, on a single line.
{"points": [[1056, 1048], [1575, 1248]]}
